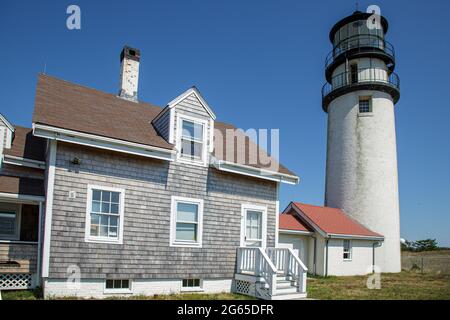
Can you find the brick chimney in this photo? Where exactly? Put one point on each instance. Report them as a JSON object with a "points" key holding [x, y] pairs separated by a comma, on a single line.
{"points": [[129, 73]]}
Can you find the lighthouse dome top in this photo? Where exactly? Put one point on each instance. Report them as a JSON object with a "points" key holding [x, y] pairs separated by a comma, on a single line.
{"points": [[355, 17]]}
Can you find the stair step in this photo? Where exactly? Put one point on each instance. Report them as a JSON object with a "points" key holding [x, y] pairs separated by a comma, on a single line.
{"points": [[289, 296], [284, 286], [286, 290]]}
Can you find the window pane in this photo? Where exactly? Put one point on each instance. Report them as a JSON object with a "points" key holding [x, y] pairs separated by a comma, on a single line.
{"points": [[125, 284], [185, 282], [95, 229], [103, 231], [106, 196], [115, 197], [112, 232], [95, 206], [109, 284], [7, 223], [105, 207], [104, 220], [186, 231], [191, 148], [254, 224], [192, 130], [96, 195], [196, 282], [113, 221], [114, 208], [187, 212], [95, 219]]}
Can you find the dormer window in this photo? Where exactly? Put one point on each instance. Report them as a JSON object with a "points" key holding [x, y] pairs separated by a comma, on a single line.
{"points": [[192, 140]]}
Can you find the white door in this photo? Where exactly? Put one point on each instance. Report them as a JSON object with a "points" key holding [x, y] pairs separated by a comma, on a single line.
{"points": [[254, 226]]}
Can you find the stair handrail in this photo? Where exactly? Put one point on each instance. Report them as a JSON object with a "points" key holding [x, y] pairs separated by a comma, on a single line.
{"points": [[267, 270], [298, 270]]}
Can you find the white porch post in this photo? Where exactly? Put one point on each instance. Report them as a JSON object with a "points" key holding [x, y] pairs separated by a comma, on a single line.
{"points": [[39, 257]]}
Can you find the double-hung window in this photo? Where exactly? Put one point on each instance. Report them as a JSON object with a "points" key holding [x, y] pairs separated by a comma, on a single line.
{"points": [[104, 219], [192, 140], [186, 222], [347, 255], [9, 225]]}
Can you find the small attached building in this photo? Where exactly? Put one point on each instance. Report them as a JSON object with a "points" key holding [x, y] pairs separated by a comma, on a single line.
{"points": [[328, 241]]}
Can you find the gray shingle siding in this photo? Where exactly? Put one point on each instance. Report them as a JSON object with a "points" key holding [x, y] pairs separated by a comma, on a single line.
{"points": [[149, 185], [162, 124]]}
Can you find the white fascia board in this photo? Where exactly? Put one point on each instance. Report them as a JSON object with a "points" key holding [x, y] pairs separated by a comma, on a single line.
{"points": [[186, 94], [254, 172], [91, 140], [18, 161], [356, 237], [7, 123], [297, 232], [21, 198]]}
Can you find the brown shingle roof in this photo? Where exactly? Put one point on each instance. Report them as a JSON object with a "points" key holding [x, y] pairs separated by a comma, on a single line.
{"points": [[25, 145], [71, 106], [21, 185]]}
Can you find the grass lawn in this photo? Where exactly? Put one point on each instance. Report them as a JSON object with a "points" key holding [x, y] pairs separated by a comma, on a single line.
{"points": [[405, 286]]}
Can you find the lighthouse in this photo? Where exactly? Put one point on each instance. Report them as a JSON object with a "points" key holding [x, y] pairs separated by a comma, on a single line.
{"points": [[359, 98]]}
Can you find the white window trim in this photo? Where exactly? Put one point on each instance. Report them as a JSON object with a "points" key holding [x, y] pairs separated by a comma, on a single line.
{"points": [[118, 291], [263, 209], [88, 237], [350, 253], [16, 236], [205, 147], [192, 289], [366, 114], [173, 223]]}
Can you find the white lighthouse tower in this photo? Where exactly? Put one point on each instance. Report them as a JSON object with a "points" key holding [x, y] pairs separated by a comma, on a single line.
{"points": [[359, 97]]}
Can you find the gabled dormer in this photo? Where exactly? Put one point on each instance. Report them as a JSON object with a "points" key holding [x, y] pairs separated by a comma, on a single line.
{"points": [[188, 123]]}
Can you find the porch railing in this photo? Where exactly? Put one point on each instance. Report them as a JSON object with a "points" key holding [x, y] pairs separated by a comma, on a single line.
{"points": [[270, 263], [256, 262], [289, 264]]}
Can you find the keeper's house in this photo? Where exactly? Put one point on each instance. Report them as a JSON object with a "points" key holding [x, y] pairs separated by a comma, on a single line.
{"points": [[108, 195]]}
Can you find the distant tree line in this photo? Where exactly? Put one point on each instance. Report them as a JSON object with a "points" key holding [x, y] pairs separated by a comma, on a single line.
{"points": [[420, 245]]}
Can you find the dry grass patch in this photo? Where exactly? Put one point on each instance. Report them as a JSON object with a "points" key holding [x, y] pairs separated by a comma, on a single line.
{"points": [[400, 286]]}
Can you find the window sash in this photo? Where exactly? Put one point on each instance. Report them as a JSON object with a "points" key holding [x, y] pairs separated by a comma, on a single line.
{"points": [[347, 255], [191, 283], [105, 214], [364, 106], [9, 224], [113, 284], [186, 226], [192, 140]]}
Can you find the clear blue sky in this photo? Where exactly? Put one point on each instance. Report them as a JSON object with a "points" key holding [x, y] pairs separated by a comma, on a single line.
{"points": [[259, 64]]}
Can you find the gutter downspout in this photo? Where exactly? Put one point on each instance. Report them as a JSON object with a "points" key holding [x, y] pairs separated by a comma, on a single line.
{"points": [[373, 257], [326, 258], [315, 255]]}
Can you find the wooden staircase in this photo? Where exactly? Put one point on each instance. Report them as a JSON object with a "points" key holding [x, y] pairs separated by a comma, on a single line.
{"points": [[275, 273]]}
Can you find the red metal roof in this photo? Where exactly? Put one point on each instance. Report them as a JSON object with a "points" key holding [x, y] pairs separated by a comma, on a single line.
{"points": [[291, 222], [334, 221]]}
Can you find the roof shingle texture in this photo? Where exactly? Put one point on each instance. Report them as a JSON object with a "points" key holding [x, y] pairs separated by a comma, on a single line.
{"points": [[26, 145], [71, 106], [334, 221], [291, 222]]}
